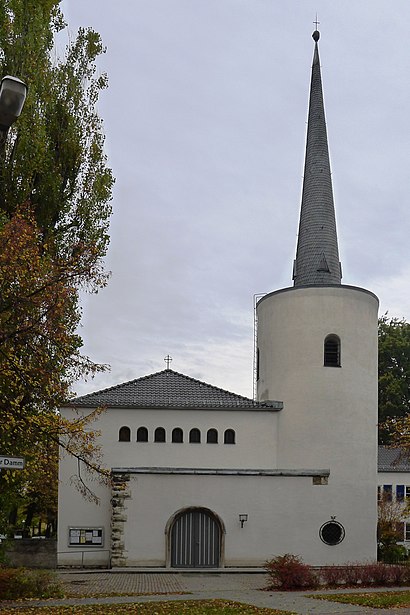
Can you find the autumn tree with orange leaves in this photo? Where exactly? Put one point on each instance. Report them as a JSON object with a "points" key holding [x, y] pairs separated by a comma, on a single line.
{"points": [[55, 192], [40, 350]]}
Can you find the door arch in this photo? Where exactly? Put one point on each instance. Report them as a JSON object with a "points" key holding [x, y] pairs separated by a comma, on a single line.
{"points": [[195, 537]]}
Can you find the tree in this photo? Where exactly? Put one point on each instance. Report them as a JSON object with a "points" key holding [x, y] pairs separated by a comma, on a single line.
{"points": [[55, 192], [54, 156], [40, 356], [394, 374]]}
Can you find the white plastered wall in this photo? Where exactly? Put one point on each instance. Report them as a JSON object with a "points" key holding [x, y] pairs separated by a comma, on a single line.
{"points": [[330, 413], [255, 447], [75, 511], [284, 515], [255, 433]]}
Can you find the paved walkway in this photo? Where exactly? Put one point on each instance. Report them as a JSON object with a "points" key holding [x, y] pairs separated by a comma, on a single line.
{"points": [[241, 587]]}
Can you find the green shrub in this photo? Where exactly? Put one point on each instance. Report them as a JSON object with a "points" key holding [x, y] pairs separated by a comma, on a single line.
{"points": [[290, 572], [25, 583], [392, 554]]}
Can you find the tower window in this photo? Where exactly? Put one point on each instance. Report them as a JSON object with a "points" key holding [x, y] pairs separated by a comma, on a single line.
{"points": [[332, 351], [195, 436], [159, 435], [229, 436], [212, 436], [142, 434], [177, 435], [124, 435]]}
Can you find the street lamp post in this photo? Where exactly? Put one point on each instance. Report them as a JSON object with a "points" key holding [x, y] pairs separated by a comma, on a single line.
{"points": [[13, 94]]}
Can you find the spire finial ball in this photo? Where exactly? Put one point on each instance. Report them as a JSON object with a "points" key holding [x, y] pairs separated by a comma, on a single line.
{"points": [[316, 35]]}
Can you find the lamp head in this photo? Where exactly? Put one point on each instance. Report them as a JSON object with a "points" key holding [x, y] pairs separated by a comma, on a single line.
{"points": [[13, 93]]}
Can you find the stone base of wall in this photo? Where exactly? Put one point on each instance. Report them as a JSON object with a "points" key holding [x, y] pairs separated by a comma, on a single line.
{"points": [[31, 553], [120, 493]]}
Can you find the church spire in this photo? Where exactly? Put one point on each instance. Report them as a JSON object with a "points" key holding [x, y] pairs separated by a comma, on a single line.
{"points": [[317, 254]]}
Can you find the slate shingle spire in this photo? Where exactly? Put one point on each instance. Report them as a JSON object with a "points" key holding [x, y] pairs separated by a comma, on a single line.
{"points": [[317, 254]]}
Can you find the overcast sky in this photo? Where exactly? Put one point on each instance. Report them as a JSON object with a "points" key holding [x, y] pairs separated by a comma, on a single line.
{"points": [[205, 121]]}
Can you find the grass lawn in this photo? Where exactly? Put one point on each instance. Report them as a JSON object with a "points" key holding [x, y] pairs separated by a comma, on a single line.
{"points": [[376, 600], [193, 607]]}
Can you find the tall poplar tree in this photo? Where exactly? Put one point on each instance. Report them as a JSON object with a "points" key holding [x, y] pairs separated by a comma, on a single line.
{"points": [[54, 155], [55, 192]]}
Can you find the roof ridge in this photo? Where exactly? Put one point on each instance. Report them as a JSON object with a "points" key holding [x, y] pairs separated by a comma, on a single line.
{"points": [[168, 388], [212, 386], [163, 371], [116, 386]]}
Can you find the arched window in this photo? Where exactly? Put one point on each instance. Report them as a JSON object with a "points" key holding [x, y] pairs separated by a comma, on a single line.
{"points": [[195, 436], [142, 434], [212, 436], [124, 435], [229, 436], [159, 435], [177, 435], [332, 351]]}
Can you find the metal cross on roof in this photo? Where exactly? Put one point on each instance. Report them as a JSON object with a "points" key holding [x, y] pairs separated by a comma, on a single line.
{"points": [[316, 22], [167, 360]]}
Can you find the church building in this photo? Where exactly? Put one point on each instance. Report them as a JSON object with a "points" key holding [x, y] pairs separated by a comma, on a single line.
{"points": [[205, 478]]}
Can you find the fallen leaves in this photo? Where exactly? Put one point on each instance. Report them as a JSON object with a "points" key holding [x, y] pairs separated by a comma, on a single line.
{"points": [[193, 607]]}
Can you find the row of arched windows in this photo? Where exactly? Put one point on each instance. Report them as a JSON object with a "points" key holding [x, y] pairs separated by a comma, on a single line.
{"points": [[177, 435]]}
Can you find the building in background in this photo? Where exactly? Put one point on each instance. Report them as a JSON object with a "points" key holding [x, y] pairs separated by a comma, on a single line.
{"points": [[394, 486]]}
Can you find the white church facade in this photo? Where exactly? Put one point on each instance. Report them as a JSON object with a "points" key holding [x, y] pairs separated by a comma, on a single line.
{"points": [[205, 478]]}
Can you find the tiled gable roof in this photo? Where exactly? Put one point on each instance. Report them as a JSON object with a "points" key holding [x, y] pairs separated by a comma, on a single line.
{"points": [[392, 460], [169, 389]]}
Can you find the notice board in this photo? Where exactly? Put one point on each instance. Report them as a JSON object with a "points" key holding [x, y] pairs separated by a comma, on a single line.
{"points": [[85, 537]]}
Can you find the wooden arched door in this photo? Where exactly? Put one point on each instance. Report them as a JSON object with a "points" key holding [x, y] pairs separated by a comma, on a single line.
{"points": [[195, 540]]}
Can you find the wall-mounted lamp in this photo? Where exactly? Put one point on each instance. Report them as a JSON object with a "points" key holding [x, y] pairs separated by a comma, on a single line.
{"points": [[242, 519]]}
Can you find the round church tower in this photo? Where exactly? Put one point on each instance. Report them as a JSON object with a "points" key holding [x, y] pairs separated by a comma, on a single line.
{"points": [[317, 348], [317, 351]]}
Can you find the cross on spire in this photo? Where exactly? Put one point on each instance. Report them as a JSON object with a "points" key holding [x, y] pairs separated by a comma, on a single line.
{"points": [[167, 360], [316, 22]]}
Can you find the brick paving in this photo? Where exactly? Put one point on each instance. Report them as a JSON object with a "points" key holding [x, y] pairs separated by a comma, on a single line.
{"points": [[241, 587], [85, 587], [82, 584]]}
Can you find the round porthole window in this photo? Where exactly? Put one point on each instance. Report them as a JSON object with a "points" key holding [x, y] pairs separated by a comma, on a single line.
{"points": [[332, 532]]}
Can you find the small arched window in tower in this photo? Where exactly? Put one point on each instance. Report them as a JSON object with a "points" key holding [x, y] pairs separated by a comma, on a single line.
{"points": [[177, 435], [229, 436], [159, 435], [142, 434], [212, 436], [332, 351], [195, 436], [124, 435]]}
